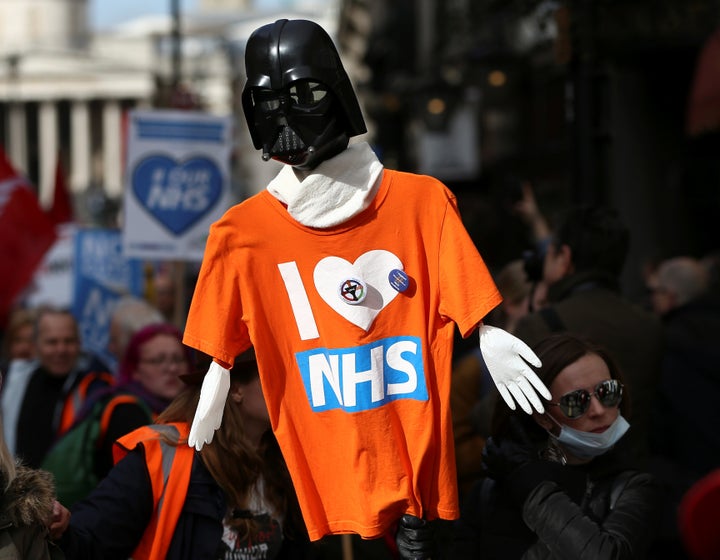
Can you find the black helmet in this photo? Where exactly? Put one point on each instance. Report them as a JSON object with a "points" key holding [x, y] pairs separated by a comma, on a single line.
{"points": [[298, 53]]}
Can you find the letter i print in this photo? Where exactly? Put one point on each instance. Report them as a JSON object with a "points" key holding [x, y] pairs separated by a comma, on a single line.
{"points": [[304, 318]]}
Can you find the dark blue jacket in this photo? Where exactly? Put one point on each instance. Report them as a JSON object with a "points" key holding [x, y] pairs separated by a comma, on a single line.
{"points": [[109, 524]]}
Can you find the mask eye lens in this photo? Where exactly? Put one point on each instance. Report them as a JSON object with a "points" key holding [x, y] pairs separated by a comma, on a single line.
{"points": [[319, 93], [266, 100], [305, 94], [270, 105], [302, 94]]}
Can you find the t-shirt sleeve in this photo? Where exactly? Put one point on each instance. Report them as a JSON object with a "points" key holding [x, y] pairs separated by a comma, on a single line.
{"points": [[214, 324], [467, 290]]}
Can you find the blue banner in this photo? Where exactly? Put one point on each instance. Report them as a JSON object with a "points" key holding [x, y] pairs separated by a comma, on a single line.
{"points": [[102, 276]]}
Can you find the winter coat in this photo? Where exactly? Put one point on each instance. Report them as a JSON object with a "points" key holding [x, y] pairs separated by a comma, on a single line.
{"points": [[26, 506], [685, 441], [688, 435], [109, 523], [590, 304], [597, 511]]}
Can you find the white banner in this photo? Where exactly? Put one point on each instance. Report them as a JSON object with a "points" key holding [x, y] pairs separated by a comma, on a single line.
{"points": [[54, 280], [177, 182]]}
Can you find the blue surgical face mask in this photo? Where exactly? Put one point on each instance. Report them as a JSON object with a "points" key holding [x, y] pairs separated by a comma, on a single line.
{"points": [[586, 445]]}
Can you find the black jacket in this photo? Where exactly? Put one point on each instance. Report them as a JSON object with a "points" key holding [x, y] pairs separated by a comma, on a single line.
{"points": [[685, 440], [598, 511], [686, 414], [109, 524]]}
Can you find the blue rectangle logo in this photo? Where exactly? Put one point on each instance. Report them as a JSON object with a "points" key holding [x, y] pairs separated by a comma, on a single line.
{"points": [[363, 377]]}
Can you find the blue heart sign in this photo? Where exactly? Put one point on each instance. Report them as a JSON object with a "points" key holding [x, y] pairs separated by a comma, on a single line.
{"points": [[177, 194]]}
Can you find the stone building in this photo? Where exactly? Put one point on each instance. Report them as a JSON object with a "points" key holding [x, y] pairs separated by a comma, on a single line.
{"points": [[65, 89]]}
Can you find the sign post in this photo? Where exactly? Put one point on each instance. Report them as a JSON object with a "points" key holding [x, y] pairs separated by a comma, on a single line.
{"points": [[177, 182]]}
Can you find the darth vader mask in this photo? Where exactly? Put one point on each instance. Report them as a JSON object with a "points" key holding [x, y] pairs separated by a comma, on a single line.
{"points": [[299, 124], [298, 100]]}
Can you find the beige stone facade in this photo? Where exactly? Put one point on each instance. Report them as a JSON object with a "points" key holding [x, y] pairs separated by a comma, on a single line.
{"points": [[65, 91]]}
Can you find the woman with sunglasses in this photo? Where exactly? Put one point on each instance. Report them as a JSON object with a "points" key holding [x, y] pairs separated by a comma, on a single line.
{"points": [[558, 485]]}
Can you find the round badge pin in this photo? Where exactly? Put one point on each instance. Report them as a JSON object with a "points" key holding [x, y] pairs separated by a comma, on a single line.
{"points": [[353, 291], [399, 280]]}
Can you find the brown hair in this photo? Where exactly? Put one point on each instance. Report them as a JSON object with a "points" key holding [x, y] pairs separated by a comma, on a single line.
{"points": [[556, 352], [19, 318], [236, 465]]}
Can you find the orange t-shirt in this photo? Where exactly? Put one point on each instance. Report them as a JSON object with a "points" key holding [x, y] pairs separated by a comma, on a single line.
{"points": [[355, 372]]}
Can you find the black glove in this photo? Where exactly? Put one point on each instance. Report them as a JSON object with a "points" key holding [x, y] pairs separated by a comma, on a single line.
{"points": [[415, 538], [523, 480]]}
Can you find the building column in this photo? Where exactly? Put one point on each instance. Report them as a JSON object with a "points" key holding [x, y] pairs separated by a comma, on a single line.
{"points": [[112, 148], [17, 136], [81, 160], [48, 144]]}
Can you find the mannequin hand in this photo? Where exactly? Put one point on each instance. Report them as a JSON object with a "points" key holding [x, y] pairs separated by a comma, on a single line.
{"points": [[414, 538], [211, 405], [503, 355]]}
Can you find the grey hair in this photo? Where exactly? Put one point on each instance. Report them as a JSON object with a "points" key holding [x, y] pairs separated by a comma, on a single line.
{"points": [[47, 310], [685, 277], [131, 314]]}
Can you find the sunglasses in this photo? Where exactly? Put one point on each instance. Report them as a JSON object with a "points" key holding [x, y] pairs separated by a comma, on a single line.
{"points": [[576, 403]]}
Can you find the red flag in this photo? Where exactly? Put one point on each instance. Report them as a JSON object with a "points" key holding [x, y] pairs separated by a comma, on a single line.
{"points": [[26, 233], [61, 210], [703, 112]]}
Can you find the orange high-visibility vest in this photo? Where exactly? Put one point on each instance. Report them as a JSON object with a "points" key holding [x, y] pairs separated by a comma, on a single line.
{"points": [[76, 399], [169, 466]]}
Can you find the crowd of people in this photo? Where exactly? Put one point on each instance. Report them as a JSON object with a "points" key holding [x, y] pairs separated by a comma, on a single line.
{"points": [[581, 425], [524, 481], [666, 347]]}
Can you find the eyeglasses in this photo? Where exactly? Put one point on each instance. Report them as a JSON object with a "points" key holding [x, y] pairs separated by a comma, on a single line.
{"points": [[164, 360], [576, 403]]}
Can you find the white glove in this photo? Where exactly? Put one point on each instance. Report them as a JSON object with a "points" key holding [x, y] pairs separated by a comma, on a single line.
{"points": [[503, 354], [209, 412]]}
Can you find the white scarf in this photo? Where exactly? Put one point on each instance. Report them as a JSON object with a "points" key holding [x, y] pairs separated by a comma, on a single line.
{"points": [[335, 191]]}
